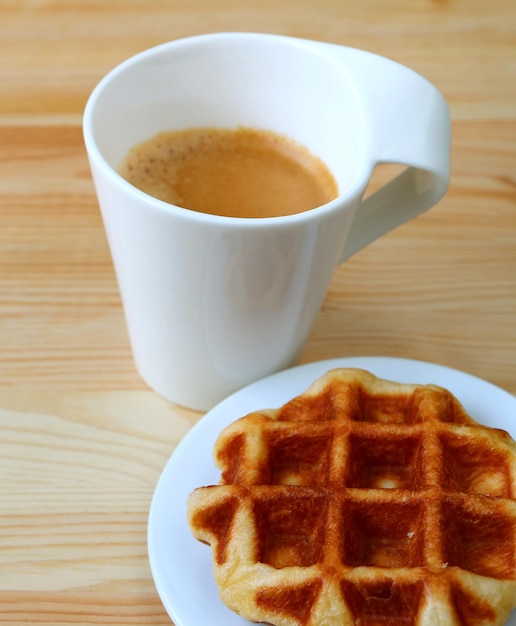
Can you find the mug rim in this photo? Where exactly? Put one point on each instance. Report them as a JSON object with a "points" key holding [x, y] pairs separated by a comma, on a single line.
{"points": [[353, 192]]}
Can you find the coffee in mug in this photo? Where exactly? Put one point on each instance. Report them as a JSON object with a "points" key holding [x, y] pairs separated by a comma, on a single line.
{"points": [[235, 172], [213, 302]]}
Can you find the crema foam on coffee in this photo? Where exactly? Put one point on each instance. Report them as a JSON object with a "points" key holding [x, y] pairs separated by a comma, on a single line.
{"points": [[240, 172]]}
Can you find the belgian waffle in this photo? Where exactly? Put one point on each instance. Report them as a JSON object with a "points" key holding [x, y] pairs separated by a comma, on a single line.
{"points": [[363, 502]]}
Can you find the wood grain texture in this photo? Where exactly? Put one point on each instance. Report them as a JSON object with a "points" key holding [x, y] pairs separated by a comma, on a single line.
{"points": [[82, 440]]}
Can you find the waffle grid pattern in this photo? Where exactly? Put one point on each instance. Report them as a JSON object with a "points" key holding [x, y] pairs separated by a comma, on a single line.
{"points": [[363, 502]]}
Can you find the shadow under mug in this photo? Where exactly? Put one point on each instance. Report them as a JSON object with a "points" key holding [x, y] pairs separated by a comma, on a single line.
{"points": [[213, 303]]}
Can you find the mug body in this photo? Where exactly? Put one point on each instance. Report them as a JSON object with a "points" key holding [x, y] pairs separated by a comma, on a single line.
{"points": [[213, 303]]}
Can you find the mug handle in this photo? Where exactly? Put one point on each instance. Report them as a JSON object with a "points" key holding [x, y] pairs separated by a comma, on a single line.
{"points": [[410, 125]]}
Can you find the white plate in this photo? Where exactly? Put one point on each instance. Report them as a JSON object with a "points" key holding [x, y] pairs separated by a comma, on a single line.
{"points": [[181, 566]]}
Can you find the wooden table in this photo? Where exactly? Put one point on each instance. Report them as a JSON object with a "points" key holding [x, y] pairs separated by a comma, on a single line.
{"points": [[82, 440]]}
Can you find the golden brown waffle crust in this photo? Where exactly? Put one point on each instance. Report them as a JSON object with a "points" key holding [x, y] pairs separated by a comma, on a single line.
{"points": [[363, 501]]}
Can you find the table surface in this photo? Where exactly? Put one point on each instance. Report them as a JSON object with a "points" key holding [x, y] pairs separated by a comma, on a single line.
{"points": [[82, 439]]}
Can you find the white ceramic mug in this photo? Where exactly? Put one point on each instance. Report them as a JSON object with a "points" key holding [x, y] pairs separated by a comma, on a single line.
{"points": [[213, 303]]}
